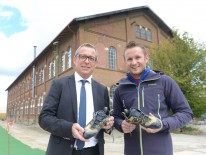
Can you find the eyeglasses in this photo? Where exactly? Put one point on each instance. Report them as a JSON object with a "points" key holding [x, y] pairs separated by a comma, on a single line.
{"points": [[85, 57]]}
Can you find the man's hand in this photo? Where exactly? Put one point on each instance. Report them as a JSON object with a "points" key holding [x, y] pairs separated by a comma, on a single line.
{"points": [[149, 130], [127, 127], [77, 132], [109, 123]]}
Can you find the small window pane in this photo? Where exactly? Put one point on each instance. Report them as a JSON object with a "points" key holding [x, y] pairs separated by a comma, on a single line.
{"points": [[63, 61], [138, 30], [143, 33], [69, 64], [149, 35]]}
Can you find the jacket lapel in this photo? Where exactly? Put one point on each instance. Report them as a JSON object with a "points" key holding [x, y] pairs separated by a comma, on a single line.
{"points": [[73, 95], [94, 92]]}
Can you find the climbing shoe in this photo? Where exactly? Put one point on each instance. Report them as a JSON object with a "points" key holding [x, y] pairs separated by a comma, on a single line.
{"points": [[136, 116], [100, 118]]}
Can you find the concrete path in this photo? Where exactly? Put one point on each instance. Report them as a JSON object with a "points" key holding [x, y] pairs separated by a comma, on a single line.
{"points": [[183, 144]]}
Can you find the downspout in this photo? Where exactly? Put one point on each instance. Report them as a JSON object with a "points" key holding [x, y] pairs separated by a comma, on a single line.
{"points": [[33, 87]]}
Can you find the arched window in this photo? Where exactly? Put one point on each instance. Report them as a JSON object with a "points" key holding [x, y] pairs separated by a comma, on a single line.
{"points": [[112, 58]]}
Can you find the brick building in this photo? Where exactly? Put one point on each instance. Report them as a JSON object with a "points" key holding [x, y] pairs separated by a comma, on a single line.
{"points": [[109, 32]]}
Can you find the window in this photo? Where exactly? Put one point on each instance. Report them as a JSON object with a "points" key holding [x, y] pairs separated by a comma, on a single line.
{"points": [[149, 35], [69, 62], [42, 73], [51, 70], [63, 61], [143, 33], [26, 107], [54, 68], [138, 30], [32, 108], [41, 76], [112, 58], [40, 104], [22, 109], [27, 85]]}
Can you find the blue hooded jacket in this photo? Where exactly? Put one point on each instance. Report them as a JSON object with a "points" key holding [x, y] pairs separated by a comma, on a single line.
{"points": [[158, 94]]}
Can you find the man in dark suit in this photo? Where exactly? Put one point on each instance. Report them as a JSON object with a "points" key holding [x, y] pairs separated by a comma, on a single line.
{"points": [[60, 112]]}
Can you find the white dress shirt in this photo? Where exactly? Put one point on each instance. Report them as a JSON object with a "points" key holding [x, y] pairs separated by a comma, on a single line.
{"points": [[89, 103]]}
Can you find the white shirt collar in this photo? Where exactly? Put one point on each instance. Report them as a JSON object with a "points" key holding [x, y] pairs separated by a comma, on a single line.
{"points": [[79, 78]]}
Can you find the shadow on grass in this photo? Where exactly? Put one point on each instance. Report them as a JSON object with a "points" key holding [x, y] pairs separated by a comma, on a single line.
{"points": [[16, 147]]}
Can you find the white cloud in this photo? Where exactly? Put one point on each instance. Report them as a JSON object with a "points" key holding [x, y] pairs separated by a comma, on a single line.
{"points": [[6, 13]]}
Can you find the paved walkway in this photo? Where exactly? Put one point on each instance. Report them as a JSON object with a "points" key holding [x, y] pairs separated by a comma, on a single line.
{"points": [[183, 144]]}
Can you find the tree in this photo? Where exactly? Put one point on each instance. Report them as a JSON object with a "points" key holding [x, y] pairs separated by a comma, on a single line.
{"points": [[185, 61]]}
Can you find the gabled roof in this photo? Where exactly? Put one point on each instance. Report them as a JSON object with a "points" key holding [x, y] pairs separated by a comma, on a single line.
{"points": [[145, 9]]}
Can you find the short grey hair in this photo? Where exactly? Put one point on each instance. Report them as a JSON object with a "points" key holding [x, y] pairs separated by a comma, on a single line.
{"points": [[86, 45]]}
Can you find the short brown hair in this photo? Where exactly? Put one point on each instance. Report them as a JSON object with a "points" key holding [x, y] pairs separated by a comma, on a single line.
{"points": [[132, 44]]}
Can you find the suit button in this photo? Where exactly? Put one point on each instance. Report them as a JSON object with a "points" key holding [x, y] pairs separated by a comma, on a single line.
{"points": [[71, 146]]}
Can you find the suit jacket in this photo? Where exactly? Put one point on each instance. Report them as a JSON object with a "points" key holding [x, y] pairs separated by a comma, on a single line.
{"points": [[59, 112]]}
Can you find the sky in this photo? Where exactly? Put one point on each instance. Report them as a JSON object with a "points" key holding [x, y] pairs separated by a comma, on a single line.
{"points": [[28, 23]]}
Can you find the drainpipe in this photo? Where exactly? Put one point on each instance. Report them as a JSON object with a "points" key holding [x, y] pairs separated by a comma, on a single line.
{"points": [[33, 87]]}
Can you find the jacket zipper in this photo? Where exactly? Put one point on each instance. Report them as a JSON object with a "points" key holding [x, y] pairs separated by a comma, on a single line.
{"points": [[140, 130], [158, 112], [143, 97]]}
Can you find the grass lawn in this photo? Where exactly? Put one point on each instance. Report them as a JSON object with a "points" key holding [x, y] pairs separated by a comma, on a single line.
{"points": [[16, 147]]}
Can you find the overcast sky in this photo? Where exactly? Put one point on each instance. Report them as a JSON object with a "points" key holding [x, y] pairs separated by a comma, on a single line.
{"points": [[28, 23]]}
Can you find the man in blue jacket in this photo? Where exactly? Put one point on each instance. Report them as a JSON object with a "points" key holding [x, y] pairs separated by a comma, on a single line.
{"points": [[155, 95]]}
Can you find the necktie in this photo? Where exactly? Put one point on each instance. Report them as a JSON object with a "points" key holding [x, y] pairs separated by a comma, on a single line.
{"points": [[82, 112]]}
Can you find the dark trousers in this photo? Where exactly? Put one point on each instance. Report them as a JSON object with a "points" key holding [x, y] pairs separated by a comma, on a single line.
{"points": [[87, 151]]}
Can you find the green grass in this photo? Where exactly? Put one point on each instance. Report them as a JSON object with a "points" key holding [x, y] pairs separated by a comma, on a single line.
{"points": [[188, 130], [16, 147]]}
